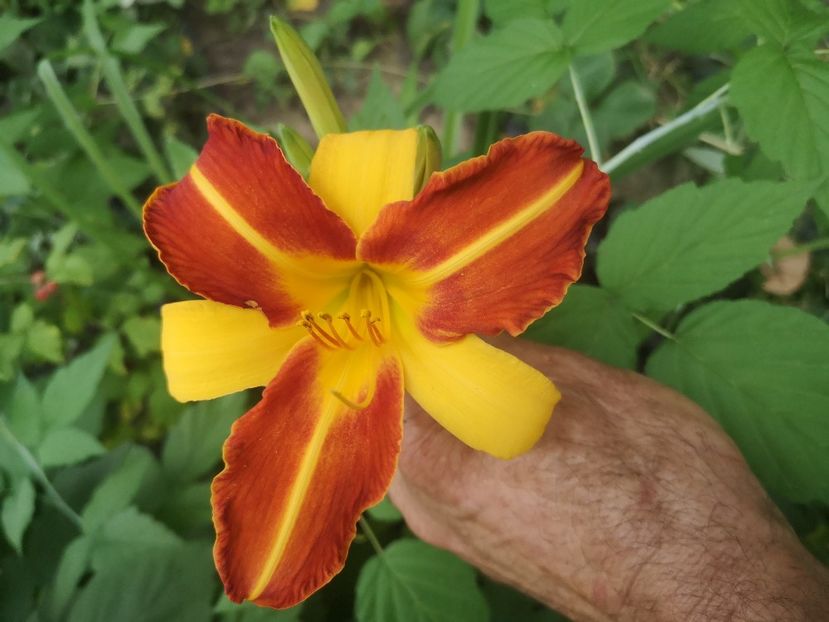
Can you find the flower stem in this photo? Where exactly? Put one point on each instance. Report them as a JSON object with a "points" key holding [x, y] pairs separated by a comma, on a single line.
{"points": [[37, 472], [654, 326], [370, 536], [708, 104], [466, 17], [586, 119]]}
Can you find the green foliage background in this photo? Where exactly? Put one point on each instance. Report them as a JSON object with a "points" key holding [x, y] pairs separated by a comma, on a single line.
{"points": [[104, 479]]}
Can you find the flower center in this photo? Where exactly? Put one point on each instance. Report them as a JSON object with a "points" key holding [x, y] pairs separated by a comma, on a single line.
{"points": [[362, 319]]}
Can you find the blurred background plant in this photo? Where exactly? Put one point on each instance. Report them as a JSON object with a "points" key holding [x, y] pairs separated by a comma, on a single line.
{"points": [[720, 291]]}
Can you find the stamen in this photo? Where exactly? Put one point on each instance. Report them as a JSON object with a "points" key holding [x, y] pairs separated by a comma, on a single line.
{"points": [[308, 317], [345, 317], [374, 332], [330, 321], [307, 326]]}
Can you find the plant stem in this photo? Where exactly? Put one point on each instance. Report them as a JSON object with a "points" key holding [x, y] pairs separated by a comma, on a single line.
{"points": [[701, 109], [39, 475], [814, 245], [72, 121], [466, 18], [654, 326], [370, 536], [586, 119]]}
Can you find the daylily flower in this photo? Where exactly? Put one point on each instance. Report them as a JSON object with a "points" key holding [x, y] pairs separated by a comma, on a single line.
{"points": [[337, 294]]}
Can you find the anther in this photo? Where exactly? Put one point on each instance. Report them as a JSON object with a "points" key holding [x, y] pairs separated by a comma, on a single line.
{"points": [[317, 331]]}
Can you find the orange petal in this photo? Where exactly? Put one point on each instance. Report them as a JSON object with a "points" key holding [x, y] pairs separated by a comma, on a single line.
{"points": [[493, 243], [241, 226], [300, 468]]}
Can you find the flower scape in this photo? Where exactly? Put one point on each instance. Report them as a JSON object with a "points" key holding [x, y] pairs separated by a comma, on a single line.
{"points": [[338, 295]]}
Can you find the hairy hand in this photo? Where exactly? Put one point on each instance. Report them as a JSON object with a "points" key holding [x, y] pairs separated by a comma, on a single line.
{"points": [[634, 505]]}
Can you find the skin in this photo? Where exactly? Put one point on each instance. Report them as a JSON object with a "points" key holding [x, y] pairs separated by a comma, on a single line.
{"points": [[634, 505]]}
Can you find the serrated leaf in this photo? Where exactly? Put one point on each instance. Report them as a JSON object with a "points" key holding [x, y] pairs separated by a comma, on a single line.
{"points": [[783, 98], [691, 242], [702, 27], [414, 582], [71, 388], [380, 110], [506, 68], [126, 535], [64, 446], [594, 322], [592, 26], [138, 470], [782, 21], [174, 583], [16, 514], [194, 444], [762, 372]]}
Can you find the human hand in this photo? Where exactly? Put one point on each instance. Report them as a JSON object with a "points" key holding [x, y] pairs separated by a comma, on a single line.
{"points": [[633, 505]]}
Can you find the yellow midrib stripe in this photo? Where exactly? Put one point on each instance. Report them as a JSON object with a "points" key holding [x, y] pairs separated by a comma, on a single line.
{"points": [[501, 232], [234, 219], [302, 481]]}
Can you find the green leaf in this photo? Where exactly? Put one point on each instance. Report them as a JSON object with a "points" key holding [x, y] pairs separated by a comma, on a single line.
{"points": [[782, 98], [380, 110], [180, 155], [134, 39], [144, 334], [11, 250], [624, 110], [64, 446], [702, 27], [194, 445], [17, 512], [503, 11], [13, 181], [594, 322], [782, 21], [72, 388], [592, 26], [126, 535], [385, 511], [139, 470], [691, 242], [174, 583], [506, 68], [73, 564], [761, 371], [248, 612], [414, 582], [24, 412], [44, 341], [10, 348], [12, 27]]}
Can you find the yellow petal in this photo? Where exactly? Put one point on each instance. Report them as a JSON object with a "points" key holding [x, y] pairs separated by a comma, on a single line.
{"points": [[211, 349], [489, 399], [357, 173]]}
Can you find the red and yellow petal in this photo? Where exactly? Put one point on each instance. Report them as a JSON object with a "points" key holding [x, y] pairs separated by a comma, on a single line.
{"points": [[243, 228], [300, 468], [494, 242]]}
